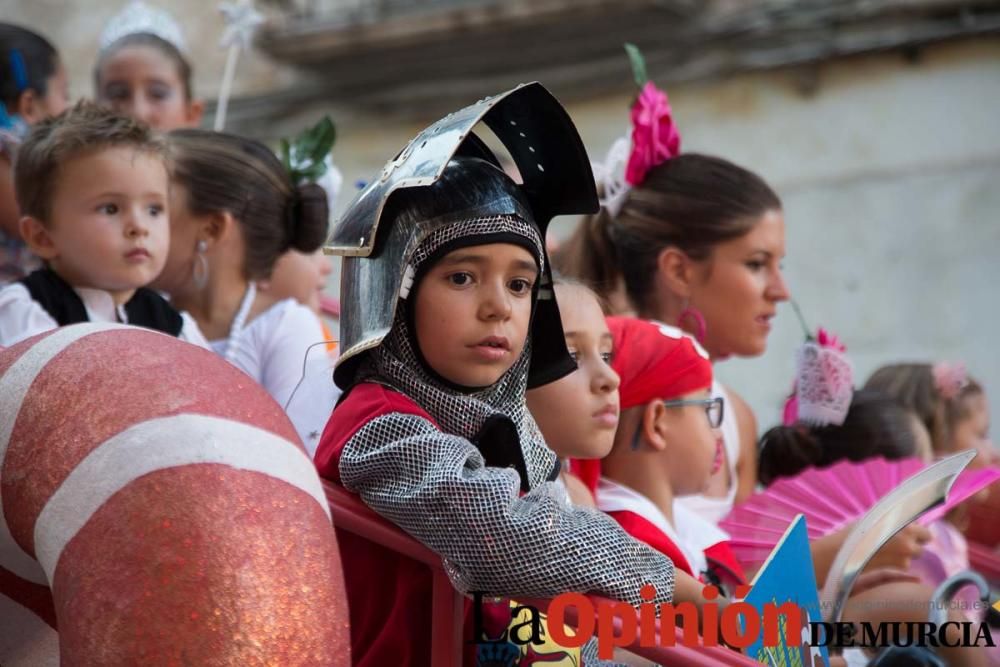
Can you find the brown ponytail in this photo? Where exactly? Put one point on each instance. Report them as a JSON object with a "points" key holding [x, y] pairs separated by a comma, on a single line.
{"points": [[224, 172], [588, 257]]}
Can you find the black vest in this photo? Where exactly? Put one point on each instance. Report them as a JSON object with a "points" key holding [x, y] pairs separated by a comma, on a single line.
{"points": [[146, 308]]}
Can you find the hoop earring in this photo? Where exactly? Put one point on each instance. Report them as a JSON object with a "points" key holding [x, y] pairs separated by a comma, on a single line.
{"points": [[199, 274], [700, 327]]}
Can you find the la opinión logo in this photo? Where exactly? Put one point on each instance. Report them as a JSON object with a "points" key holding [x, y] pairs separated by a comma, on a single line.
{"points": [[738, 625], [952, 634]]}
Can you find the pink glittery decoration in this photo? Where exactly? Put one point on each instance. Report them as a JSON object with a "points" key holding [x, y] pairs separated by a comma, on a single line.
{"points": [[242, 577], [201, 563], [103, 384]]}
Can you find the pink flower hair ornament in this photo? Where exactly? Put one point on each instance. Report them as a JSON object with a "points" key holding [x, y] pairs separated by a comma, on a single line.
{"points": [[827, 339], [655, 139]]}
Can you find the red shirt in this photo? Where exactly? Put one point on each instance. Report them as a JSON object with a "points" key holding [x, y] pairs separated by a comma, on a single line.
{"points": [[388, 594]]}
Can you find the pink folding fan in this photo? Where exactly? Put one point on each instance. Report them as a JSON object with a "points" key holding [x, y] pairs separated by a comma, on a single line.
{"points": [[830, 498]]}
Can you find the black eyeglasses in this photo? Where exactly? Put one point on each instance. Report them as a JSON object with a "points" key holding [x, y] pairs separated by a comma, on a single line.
{"points": [[713, 408]]}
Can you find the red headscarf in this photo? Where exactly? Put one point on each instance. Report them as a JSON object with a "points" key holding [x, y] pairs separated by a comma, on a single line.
{"points": [[655, 362]]}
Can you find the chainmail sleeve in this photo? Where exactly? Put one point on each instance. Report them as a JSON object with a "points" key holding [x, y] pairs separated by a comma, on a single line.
{"points": [[436, 487]]}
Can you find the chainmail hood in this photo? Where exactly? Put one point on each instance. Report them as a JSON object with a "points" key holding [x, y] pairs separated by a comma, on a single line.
{"points": [[397, 363]]}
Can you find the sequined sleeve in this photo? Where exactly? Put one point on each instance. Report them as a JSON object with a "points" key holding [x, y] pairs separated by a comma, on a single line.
{"points": [[436, 487]]}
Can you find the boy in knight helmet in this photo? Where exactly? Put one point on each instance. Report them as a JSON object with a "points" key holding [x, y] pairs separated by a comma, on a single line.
{"points": [[448, 315]]}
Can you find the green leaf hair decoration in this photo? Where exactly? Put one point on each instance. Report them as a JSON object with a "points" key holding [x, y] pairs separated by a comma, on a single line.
{"points": [[305, 156], [638, 64]]}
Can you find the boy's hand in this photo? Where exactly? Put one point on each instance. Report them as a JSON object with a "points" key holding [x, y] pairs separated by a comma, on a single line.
{"points": [[904, 546], [689, 589], [875, 577]]}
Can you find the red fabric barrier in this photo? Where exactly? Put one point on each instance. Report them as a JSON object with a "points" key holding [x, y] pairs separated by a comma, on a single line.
{"points": [[351, 514]]}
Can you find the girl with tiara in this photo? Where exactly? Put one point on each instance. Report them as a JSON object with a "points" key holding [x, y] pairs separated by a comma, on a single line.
{"points": [[448, 315], [953, 408], [33, 86], [233, 212], [142, 70]]}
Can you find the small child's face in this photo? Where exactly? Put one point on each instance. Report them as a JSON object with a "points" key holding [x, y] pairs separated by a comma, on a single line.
{"points": [[578, 414], [108, 227], [973, 430], [301, 276], [142, 82], [472, 312], [693, 446]]}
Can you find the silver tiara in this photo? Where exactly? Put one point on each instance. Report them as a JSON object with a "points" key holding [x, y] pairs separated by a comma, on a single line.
{"points": [[140, 18]]}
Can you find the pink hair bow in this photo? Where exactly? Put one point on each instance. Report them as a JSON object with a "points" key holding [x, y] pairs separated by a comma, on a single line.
{"points": [[949, 378]]}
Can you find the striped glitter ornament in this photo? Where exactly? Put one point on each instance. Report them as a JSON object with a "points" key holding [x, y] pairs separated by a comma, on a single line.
{"points": [[157, 508]]}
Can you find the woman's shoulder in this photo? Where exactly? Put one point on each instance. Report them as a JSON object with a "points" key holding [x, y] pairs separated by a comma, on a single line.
{"points": [[284, 325], [745, 417], [191, 332]]}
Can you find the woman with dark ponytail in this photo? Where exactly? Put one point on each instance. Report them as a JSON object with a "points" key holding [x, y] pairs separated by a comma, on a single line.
{"points": [[233, 212], [694, 241]]}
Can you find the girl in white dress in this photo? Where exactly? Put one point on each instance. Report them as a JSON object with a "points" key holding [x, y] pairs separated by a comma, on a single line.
{"points": [[234, 212]]}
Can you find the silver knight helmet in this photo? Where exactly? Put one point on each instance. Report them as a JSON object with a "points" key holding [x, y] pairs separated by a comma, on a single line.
{"points": [[447, 175]]}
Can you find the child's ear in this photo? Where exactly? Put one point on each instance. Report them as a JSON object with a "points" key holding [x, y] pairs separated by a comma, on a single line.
{"points": [[37, 238], [676, 271], [195, 110], [29, 108], [654, 428]]}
